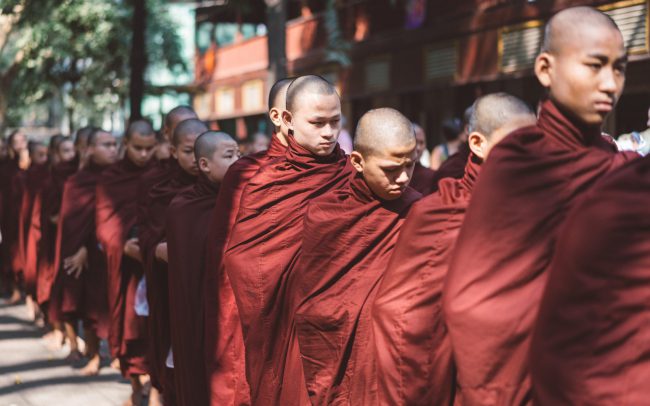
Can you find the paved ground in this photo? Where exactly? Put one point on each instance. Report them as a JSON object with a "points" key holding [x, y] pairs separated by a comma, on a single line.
{"points": [[31, 374]]}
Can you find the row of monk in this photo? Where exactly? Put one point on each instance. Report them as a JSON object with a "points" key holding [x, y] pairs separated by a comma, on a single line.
{"points": [[301, 275]]}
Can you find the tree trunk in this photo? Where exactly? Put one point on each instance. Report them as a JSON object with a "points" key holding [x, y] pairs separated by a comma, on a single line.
{"points": [[276, 19], [138, 58]]}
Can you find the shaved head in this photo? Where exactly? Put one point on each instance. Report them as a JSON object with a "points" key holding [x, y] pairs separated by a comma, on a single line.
{"points": [[571, 23], [382, 128], [186, 128], [94, 135], [175, 116], [309, 84], [81, 138], [278, 94], [496, 110], [141, 127], [208, 142]]}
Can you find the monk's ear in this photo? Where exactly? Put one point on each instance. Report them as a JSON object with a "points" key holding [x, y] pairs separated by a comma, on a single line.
{"points": [[287, 118], [204, 165], [478, 144], [172, 150], [543, 68], [275, 115], [356, 159]]}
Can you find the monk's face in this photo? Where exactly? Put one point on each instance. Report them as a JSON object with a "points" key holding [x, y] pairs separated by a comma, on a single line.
{"points": [[387, 171], [39, 155], [184, 153], [215, 168], [140, 148], [19, 142], [420, 143], [585, 74], [65, 152], [104, 151], [316, 123]]}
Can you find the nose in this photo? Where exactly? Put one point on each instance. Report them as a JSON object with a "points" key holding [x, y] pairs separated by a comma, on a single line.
{"points": [[610, 81], [403, 178]]}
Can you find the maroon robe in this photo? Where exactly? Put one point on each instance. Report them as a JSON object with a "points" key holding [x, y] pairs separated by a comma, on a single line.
{"points": [[151, 232], [452, 167], [49, 201], [590, 345], [224, 344], [117, 193], [186, 244], [499, 266], [423, 179], [348, 237], [11, 231], [8, 223], [262, 249], [414, 361], [28, 233], [84, 297]]}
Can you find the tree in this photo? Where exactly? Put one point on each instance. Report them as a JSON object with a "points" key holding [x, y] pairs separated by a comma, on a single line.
{"points": [[77, 50]]}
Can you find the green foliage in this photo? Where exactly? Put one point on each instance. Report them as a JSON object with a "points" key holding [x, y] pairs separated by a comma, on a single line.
{"points": [[81, 48]]}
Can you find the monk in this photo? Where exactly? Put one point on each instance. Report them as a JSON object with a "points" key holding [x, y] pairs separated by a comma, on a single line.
{"points": [[266, 237], [414, 362], [590, 341], [422, 180], [533, 177], [82, 266], [224, 345], [214, 152], [117, 192], [347, 240], [153, 248]]}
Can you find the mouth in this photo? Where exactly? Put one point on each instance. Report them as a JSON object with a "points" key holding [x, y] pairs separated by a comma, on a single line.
{"points": [[604, 106]]}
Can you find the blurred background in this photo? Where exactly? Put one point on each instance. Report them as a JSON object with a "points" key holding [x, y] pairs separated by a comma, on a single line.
{"points": [[69, 63]]}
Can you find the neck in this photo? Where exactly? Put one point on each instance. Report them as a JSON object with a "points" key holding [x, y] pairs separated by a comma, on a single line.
{"points": [[281, 137]]}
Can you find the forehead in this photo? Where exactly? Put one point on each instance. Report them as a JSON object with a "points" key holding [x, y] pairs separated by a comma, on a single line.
{"points": [[187, 139], [393, 151], [596, 39], [142, 140], [316, 104], [104, 137]]}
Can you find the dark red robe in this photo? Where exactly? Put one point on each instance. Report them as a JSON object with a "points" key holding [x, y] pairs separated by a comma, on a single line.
{"points": [[11, 231], [348, 238], [117, 193], [49, 201], [28, 234], [452, 167], [8, 223], [262, 249], [423, 179], [499, 266], [224, 344], [414, 361], [590, 345], [151, 232], [84, 297], [186, 245]]}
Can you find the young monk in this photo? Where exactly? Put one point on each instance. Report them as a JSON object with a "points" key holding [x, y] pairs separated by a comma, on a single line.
{"points": [[82, 265], [224, 345], [266, 237], [214, 152], [117, 192], [414, 362], [347, 239], [590, 341], [533, 177], [153, 247], [422, 180]]}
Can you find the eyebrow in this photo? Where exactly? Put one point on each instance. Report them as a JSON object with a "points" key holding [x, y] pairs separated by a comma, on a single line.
{"points": [[605, 58], [324, 118]]}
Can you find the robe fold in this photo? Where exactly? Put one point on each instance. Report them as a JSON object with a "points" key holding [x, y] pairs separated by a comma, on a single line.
{"points": [[29, 230], [186, 244], [49, 201], [423, 179], [224, 344], [414, 361], [262, 249], [11, 232], [348, 237], [117, 192], [590, 345], [151, 231], [452, 167], [84, 297], [499, 266]]}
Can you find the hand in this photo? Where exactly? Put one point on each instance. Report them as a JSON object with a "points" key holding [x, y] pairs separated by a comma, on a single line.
{"points": [[161, 252], [132, 249], [74, 264]]}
